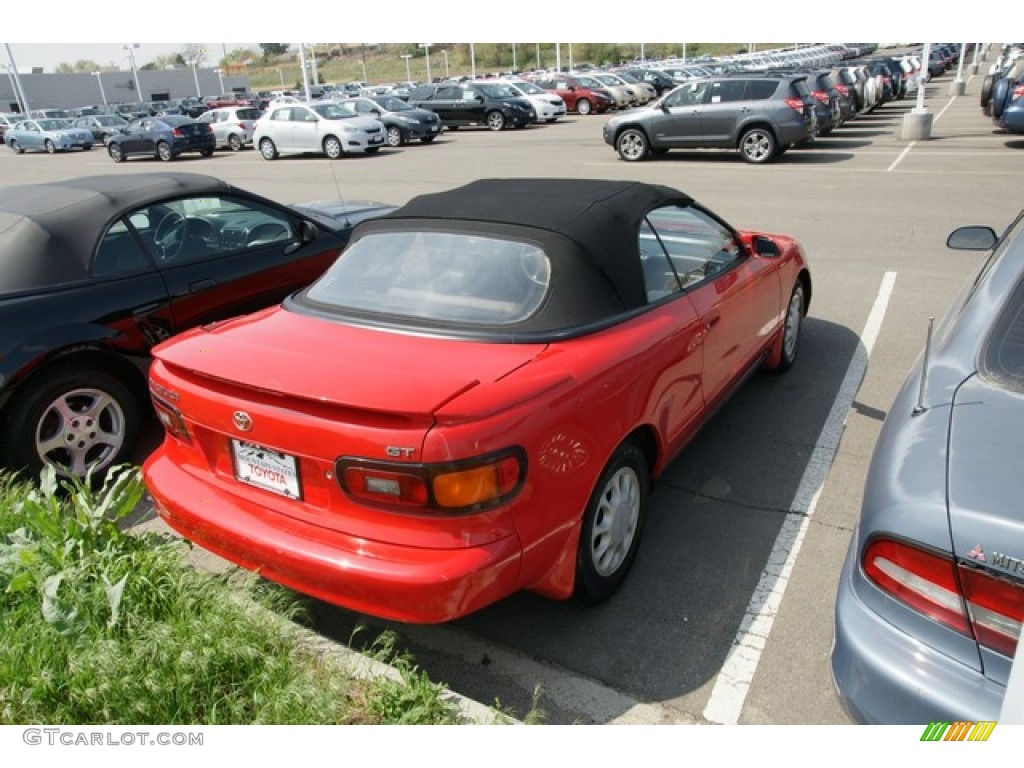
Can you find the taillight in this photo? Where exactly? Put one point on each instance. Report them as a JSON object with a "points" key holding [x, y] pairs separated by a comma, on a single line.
{"points": [[176, 133], [820, 96], [171, 419], [972, 602], [463, 486], [794, 103], [1018, 91], [844, 90]]}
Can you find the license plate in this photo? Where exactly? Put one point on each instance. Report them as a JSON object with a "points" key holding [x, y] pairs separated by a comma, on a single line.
{"points": [[267, 469]]}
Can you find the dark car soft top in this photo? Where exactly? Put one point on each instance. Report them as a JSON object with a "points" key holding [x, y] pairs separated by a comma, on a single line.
{"points": [[601, 216], [47, 231]]}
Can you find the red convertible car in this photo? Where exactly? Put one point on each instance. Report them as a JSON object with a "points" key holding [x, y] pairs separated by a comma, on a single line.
{"points": [[475, 398]]}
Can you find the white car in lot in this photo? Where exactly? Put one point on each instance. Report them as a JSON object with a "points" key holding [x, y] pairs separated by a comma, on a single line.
{"points": [[323, 127], [233, 126], [548, 106]]}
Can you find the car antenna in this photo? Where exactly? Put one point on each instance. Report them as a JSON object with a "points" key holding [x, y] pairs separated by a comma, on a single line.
{"points": [[920, 408], [337, 184]]}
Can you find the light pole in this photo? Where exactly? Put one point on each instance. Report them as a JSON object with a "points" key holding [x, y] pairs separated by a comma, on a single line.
{"points": [[426, 53], [195, 76], [408, 75], [280, 74], [513, 57], [99, 79], [220, 77], [135, 71], [445, 52], [19, 91]]}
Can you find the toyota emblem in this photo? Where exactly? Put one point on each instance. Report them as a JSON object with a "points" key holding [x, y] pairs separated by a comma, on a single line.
{"points": [[242, 420]]}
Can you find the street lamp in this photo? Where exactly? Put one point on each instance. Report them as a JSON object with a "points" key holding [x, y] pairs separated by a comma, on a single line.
{"points": [[445, 52], [195, 76], [135, 71], [99, 79], [280, 74], [220, 77], [408, 74], [426, 53]]}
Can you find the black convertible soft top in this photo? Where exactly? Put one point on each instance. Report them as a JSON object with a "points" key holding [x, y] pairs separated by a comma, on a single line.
{"points": [[579, 222]]}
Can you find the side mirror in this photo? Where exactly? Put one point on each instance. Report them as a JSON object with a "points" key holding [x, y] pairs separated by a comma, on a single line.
{"points": [[766, 247], [308, 232], [972, 239]]}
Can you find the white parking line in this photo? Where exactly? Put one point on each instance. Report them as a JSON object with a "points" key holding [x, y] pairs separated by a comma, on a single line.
{"points": [[733, 681]]}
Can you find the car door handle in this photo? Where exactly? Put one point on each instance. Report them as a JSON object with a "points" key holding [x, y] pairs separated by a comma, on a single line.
{"points": [[201, 285], [710, 321]]}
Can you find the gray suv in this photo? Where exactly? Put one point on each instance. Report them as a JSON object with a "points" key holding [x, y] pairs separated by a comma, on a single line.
{"points": [[758, 114]]}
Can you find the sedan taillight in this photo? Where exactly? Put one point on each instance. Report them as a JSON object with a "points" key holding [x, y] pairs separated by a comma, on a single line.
{"points": [[1018, 91], [972, 602], [473, 485], [844, 90], [177, 133]]}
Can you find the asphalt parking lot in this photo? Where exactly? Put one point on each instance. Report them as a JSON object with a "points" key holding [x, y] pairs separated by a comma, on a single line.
{"points": [[727, 614]]}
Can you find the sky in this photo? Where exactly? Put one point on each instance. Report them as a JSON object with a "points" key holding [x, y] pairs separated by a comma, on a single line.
{"points": [[50, 55]]}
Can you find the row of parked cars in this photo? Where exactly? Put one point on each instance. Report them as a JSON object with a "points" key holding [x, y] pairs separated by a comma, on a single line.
{"points": [[1002, 90], [762, 112]]}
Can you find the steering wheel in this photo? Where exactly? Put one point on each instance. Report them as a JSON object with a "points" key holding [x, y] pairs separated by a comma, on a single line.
{"points": [[169, 236]]}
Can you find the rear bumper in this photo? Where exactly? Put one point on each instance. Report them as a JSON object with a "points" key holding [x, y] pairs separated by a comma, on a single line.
{"points": [[390, 581], [885, 676]]}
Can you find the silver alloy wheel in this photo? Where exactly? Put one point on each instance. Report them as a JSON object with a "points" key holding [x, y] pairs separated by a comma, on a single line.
{"points": [[791, 331], [50, 146], [615, 521], [80, 431], [163, 151], [583, 106], [16, 147], [234, 142], [495, 120], [394, 136], [632, 145], [267, 149], [757, 145], [332, 147], [114, 150]]}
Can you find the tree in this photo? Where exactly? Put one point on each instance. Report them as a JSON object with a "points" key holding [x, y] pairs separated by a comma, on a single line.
{"points": [[273, 49]]}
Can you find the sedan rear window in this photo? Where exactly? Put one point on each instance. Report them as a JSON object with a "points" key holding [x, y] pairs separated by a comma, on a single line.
{"points": [[437, 276]]}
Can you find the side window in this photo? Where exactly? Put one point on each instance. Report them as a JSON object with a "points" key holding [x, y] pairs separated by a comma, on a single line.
{"points": [[118, 253], [724, 91], [449, 93], [201, 228], [688, 94], [698, 246], [762, 89], [660, 278]]}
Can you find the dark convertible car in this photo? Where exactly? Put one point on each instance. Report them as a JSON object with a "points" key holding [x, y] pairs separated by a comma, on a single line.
{"points": [[96, 270]]}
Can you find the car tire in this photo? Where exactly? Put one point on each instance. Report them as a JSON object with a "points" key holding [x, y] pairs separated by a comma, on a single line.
{"points": [[632, 145], [1000, 96], [18, 149], [332, 147], [268, 149], [235, 143], [986, 92], [164, 152], [495, 120], [372, 150], [758, 145], [612, 525], [427, 139], [206, 152], [395, 137], [115, 152], [50, 147], [789, 341], [74, 419], [584, 107]]}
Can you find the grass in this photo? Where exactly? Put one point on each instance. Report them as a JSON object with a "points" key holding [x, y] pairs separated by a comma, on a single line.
{"points": [[102, 626], [384, 63]]}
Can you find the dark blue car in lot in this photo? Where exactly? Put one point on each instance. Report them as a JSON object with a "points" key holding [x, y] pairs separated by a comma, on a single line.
{"points": [[164, 137]]}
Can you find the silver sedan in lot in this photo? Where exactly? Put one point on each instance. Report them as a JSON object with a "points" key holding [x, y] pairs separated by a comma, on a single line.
{"points": [[325, 127], [233, 126], [931, 597]]}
